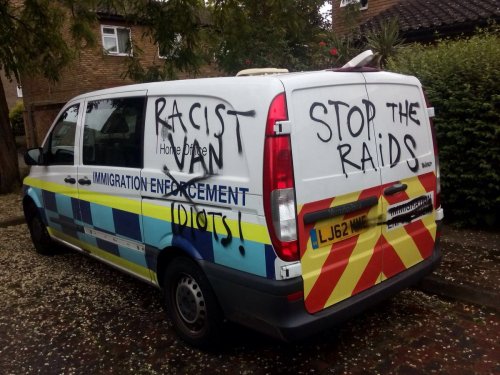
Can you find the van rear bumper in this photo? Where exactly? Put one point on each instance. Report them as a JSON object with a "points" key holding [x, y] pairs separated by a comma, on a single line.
{"points": [[263, 305]]}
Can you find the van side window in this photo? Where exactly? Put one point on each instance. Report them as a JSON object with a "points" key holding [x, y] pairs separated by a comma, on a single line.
{"points": [[112, 133], [61, 145]]}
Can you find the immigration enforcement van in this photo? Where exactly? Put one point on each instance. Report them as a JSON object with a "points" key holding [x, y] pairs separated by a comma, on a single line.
{"points": [[285, 203]]}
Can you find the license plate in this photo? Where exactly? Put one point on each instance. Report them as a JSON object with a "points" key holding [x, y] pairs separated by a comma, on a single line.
{"points": [[337, 230]]}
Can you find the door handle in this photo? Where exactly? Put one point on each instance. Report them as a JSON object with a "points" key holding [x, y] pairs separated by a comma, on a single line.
{"points": [[70, 180], [84, 181], [396, 188]]}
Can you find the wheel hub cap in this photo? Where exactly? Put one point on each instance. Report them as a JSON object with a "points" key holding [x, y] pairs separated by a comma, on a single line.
{"points": [[190, 301]]}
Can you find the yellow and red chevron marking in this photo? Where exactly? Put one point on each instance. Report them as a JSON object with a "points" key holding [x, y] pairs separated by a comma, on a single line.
{"points": [[342, 269], [410, 244], [329, 273]]}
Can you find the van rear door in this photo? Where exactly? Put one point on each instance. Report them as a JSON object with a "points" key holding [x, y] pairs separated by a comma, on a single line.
{"points": [[338, 186], [407, 164]]}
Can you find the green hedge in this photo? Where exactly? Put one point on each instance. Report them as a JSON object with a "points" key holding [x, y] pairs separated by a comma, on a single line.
{"points": [[462, 81]]}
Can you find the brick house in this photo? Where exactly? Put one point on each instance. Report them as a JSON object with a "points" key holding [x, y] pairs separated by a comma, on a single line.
{"points": [[95, 68], [420, 20]]}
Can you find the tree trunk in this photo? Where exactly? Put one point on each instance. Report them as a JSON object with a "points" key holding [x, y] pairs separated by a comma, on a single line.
{"points": [[9, 168]]}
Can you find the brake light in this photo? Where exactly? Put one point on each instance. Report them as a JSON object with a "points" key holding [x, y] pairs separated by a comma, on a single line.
{"points": [[278, 184], [437, 194]]}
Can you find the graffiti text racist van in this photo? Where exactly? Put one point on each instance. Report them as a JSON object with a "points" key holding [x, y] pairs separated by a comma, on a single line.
{"points": [[285, 203]]}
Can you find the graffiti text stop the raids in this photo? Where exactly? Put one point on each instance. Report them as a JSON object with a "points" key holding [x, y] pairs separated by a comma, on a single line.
{"points": [[202, 126], [350, 126]]}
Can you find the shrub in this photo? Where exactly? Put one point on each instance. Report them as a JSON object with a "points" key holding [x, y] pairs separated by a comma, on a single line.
{"points": [[384, 41], [16, 118], [461, 81]]}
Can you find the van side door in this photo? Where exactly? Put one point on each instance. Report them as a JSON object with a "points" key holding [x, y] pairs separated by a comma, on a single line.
{"points": [[109, 180]]}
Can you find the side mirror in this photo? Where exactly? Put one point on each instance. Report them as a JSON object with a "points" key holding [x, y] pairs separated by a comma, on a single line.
{"points": [[34, 156]]}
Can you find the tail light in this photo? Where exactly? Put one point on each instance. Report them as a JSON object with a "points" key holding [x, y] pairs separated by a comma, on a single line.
{"points": [[279, 186], [437, 194]]}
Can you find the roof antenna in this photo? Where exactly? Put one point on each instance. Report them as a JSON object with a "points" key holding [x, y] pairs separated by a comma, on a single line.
{"points": [[363, 59]]}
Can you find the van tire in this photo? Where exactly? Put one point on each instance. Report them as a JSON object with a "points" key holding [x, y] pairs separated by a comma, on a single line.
{"points": [[39, 233], [191, 304]]}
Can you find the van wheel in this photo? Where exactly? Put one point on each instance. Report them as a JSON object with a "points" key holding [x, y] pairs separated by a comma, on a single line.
{"points": [[39, 234], [191, 303]]}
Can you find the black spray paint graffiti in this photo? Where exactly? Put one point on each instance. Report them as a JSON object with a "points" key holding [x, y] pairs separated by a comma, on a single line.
{"points": [[406, 113], [208, 157], [183, 188], [201, 128], [200, 219], [357, 123], [409, 211], [201, 215]]}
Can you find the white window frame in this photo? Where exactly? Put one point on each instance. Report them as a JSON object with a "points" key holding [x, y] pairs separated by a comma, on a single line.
{"points": [[160, 56], [115, 35]]}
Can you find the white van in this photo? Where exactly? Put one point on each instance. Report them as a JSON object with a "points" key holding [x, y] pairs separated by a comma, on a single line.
{"points": [[285, 202]]}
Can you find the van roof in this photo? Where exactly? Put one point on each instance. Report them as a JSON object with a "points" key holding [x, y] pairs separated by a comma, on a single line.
{"points": [[194, 83], [198, 84]]}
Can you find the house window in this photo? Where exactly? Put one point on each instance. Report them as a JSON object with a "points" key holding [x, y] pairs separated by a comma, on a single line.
{"points": [[116, 40]]}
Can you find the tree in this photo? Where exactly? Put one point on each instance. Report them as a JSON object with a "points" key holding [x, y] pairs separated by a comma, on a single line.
{"points": [[32, 41], [274, 33], [384, 40]]}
